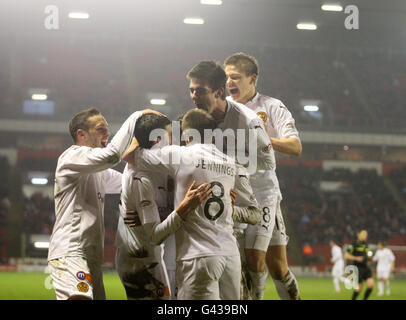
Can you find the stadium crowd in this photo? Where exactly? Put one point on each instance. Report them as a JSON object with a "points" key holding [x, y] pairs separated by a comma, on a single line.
{"points": [[38, 214], [319, 216], [342, 81], [399, 179]]}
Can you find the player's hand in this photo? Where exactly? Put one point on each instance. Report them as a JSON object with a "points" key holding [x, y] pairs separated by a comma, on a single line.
{"points": [[131, 219], [233, 194], [359, 259], [195, 196], [128, 156]]}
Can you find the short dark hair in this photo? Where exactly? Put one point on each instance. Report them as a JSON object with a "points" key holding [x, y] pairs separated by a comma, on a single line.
{"points": [[79, 121], [210, 72], [147, 123], [248, 64], [199, 120]]}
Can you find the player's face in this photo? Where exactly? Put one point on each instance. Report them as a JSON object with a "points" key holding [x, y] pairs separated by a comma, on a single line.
{"points": [[240, 86], [98, 133], [202, 95], [363, 235]]}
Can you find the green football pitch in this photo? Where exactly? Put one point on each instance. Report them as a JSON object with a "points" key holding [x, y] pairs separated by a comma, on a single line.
{"points": [[33, 286]]}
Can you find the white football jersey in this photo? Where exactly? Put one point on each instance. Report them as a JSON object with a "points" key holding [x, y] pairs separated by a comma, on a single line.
{"points": [[81, 182], [384, 257], [79, 201], [146, 194], [208, 230], [239, 117], [279, 123], [336, 254]]}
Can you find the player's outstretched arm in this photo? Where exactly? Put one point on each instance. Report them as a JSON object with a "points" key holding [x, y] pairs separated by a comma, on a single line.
{"points": [[128, 155], [247, 209], [149, 216], [250, 215], [289, 146], [349, 256]]}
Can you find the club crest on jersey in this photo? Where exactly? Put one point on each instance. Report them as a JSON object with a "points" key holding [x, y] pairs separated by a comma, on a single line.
{"points": [[83, 287], [263, 116]]}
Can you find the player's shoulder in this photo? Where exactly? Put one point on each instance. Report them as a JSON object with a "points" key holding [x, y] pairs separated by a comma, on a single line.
{"points": [[268, 100], [240, 108], [72, 154]]}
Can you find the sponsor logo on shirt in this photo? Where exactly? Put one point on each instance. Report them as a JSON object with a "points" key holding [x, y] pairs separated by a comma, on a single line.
{"points": [[81, 275]]}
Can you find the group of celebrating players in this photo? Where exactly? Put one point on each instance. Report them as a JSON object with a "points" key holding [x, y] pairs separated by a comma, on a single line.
{"points": [[197, 219]]}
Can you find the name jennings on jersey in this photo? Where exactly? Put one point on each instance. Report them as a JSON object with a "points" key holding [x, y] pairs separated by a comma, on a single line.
{"points": [[215, 167]]}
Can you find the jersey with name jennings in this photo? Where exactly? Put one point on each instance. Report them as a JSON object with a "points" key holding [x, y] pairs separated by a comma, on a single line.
{"points": [[279, 123], [208, 230]]}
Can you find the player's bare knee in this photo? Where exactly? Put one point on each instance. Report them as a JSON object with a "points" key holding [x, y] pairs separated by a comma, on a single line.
{"points": [[278, 268], [255, 260], [370, 283], [278, 272]]}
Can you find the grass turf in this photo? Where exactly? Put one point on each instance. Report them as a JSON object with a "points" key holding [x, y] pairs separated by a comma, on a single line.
{"points": [[32, 286]]}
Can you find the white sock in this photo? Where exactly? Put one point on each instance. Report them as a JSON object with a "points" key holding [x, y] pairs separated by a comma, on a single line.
{"points": [[387, 287], [258, 284], [380, 287], [287, 288], [246, 284], [336, 282]]}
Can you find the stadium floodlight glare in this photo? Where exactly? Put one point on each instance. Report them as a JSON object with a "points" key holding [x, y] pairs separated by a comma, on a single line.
{"points": [[332, 7], [39, 181], [212, 2], [39, 96], [306, 26], [41, 245], [78, 15], [158, 102], [193, 21], [311, 108]]}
